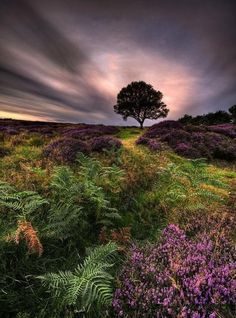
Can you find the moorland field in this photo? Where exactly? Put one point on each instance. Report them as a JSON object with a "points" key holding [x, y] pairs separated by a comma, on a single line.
{"points": [[105, 221]]}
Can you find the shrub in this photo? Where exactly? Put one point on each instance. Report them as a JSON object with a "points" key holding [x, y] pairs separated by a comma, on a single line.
{"points": [[191, 128], [65, 150], [228, 130], [177, 277], [2, 136], [83, 134], [142, 140], [225, 152], [102, 143], [154, 145], [4, 151], [43, 130], [107, 130], [167, 124], [162, 128], [194, 141], [36, 141], [9, 131], [175, 136], [17, 140], [214, 224], [90, 131], [185, 149]]}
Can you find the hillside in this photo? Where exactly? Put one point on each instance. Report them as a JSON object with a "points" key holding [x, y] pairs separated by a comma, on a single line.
{"points": [[104, 221]]}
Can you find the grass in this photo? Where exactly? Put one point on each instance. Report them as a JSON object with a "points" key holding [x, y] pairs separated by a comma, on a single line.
{"points": [[152, 191]]}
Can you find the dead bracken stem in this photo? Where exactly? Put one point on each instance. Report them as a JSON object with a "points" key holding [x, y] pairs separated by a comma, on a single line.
{"points": [[26, 230]]}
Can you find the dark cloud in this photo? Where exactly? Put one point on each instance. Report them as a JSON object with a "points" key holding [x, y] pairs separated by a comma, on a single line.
{"points": [[30, 28], [67, 60]]}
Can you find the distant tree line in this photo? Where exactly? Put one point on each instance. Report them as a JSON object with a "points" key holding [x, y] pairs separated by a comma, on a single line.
{"points": [[216, 118]]}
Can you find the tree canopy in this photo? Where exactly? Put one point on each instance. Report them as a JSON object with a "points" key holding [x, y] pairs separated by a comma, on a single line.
{"points": [[140, 101]]}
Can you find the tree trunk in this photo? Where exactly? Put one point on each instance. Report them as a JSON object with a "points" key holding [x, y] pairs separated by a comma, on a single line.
{"points": [[141, 124]]}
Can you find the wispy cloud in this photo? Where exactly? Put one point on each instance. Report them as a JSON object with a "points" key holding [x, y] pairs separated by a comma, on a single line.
{"points": [[67, 60]]}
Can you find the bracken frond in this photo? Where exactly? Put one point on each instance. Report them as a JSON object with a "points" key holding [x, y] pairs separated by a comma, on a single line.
{"points": [[26, 230], [89, 286]]}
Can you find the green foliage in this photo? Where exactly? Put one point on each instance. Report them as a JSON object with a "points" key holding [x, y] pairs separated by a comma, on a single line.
{"points": [[184, 184], [218, 117], [36, 141], [78, 201], [27, 152], [127, 132], [89, 287], [24, 203], [65, 213], [177, 185], [114, 155], [140, 101], [92, 169], [69, 205]]}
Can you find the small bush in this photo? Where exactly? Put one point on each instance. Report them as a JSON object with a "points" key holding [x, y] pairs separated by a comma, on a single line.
{"points": [[36, 141], [10, 131], [142, 140], [185, 149], [154, 145], [162, 128], [107, 130], [17, 140], [4, 152], [191, 128], [102, 143], [83, 134], [225, 152], [64, 150], [175, 136], [43, 130], [228, 130], [90, 131], [2, 136]]}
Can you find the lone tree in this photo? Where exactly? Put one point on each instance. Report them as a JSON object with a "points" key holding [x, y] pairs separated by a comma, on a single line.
{"points": [[140, 101]]}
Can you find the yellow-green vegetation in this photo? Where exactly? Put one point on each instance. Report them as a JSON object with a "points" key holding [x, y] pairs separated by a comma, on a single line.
{"points": [[51, 214]]}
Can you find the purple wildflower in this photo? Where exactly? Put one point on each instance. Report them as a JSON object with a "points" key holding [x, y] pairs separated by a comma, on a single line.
{"points": [[64, 150], [102, 143], [177, 277]]}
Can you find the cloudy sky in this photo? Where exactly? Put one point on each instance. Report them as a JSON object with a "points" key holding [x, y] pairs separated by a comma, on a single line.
{"points": [[67, 60]]}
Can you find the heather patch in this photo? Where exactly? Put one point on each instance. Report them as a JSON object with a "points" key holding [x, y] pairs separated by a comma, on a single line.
{"points": [[64, 150], [177, 277], [83, 134], [228, 130], [102, 143], [211, 142]]}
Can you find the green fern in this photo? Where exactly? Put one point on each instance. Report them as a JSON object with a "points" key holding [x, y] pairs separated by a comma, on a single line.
{"points": [[79, 199], [92, 169], [24, 202], [89, 286], [65, 211], [180, 184]]}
